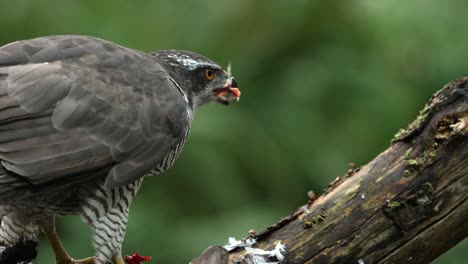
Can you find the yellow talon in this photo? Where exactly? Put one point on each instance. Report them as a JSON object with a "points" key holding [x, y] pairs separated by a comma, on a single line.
{"points": [[61, 255], [89, 260], [118, 259]]}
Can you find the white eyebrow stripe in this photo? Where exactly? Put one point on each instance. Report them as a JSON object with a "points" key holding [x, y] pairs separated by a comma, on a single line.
{"points": [[191, 63]]}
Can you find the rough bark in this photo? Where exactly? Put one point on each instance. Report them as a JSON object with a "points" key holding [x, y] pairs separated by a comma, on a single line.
{"points": [[408, 205]]}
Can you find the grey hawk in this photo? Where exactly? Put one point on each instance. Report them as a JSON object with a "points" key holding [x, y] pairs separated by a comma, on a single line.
{"points": [[82, 121]]}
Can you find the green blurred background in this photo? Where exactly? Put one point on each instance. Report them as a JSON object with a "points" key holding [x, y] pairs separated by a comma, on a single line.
{"points": [[324, 83]]}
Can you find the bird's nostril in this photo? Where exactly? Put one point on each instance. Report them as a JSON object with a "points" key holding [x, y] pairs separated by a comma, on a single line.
{"points": [[234, 83]]}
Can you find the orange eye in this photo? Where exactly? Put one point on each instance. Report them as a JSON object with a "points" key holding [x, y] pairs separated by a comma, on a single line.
{"points": [[209, 74]]}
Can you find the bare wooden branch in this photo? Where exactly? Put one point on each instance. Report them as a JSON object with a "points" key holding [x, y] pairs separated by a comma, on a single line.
{"points": [[408, 205]]}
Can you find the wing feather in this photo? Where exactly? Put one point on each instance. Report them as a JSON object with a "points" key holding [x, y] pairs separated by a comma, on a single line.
{"points": [[34, 142], [7, 101], [70, 105]]}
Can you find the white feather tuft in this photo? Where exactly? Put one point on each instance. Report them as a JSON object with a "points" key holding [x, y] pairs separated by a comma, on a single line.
{"points": [[258, 256], [233, 243], [229, 69]]}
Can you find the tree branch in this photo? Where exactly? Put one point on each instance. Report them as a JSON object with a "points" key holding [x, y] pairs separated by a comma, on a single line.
{"points": [[408, 205]]}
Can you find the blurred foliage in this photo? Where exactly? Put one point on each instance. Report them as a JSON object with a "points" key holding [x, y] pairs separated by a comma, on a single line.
{"points": [[324, 83]]}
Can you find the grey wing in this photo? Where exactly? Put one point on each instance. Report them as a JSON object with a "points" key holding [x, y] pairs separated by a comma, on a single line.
{"points": [[72, 104]]}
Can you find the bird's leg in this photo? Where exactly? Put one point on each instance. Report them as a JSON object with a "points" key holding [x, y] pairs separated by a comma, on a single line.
{"points": [[118, 259], [90, 260], [61, 255]]}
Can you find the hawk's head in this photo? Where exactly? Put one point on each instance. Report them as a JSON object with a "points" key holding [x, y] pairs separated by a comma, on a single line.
{"points": [[201, 78]]}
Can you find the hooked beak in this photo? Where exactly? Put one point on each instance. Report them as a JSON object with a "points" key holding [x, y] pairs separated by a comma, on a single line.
{"points": [[228, 92]]}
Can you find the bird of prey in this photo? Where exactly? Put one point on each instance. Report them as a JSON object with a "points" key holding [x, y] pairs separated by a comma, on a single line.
{"points": [[82, 121]]}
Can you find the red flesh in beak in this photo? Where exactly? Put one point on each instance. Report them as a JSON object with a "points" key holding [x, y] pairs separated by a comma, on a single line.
{"points": [[227, 90], [228, 93]]}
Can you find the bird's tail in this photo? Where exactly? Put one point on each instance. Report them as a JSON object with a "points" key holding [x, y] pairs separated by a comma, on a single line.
{"points": [[22, 252]]}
